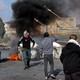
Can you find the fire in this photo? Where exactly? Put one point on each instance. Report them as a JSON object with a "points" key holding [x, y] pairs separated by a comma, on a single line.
{"points": [[13, 57]]}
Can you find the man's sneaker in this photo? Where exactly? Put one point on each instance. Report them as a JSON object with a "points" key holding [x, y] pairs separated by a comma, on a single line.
{"points": [[46, 78], [52, 76], [28, 66], [25, 68]]}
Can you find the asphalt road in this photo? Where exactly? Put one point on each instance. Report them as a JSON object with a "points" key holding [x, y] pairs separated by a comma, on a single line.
{"points": [[13, 70]]}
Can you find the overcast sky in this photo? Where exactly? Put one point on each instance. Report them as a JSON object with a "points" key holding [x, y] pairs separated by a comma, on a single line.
{"points": [[5, 10]]}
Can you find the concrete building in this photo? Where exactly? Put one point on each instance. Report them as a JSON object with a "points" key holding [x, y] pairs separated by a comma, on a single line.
{"points": [[61, 26]]}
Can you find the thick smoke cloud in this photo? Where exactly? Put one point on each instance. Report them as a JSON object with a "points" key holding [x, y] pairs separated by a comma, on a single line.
{"points": [[74, 10], [24, 12]]}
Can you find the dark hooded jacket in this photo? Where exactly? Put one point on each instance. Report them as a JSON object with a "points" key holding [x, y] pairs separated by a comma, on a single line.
{"points": [[70, 58], [26, 42]]}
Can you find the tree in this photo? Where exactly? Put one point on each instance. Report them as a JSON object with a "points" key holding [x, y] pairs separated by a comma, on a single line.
{"points": [[2, 29]]}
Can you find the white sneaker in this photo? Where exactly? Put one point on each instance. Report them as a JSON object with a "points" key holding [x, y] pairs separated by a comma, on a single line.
{"points": [[46, 78], [52, 76]]}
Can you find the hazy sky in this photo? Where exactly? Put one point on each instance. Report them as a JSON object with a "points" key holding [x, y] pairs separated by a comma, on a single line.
{"points": [[5, 10]]}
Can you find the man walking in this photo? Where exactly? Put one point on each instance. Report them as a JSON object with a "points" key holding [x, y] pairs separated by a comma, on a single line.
{"points": [[46, 47], [25, 44]]}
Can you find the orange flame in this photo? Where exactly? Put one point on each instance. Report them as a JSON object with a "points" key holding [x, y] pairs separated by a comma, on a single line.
{"points": [[13, 57]]}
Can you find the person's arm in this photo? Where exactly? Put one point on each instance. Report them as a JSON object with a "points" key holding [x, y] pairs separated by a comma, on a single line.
{"points": [[55, 37], [77, 49], [62, 56], [20, 41], [41, 50], [32, 42]]}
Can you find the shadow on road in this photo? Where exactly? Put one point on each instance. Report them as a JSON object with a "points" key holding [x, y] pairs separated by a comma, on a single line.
{"points": [[57, 71], [35, 64], [3, 60]]}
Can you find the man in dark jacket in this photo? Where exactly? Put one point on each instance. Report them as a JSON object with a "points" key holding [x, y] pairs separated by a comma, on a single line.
{"points": [[24, 43], [70, 59]]}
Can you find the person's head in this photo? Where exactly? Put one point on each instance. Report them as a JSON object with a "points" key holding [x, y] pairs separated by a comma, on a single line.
{"points": [[26, 34], [46, 34], [73, 36]]}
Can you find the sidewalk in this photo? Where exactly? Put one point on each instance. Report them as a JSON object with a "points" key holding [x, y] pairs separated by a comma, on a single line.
{"points": [[13, 70]]}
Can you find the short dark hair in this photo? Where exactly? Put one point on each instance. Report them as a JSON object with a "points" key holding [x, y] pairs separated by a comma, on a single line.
{"points": [[46, 34], [73, 36]]}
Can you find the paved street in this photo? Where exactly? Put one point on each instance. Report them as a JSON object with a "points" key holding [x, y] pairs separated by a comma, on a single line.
{"points": [[13, 70]]}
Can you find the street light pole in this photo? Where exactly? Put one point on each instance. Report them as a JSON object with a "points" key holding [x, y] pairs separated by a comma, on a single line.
{"points": [[55, 14], [41, 24]]}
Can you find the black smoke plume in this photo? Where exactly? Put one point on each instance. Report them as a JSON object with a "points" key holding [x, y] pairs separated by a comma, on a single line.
{"points": [[24, 12]]}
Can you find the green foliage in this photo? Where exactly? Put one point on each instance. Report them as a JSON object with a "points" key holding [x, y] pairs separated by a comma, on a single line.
{"points": [[2, 29]]}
